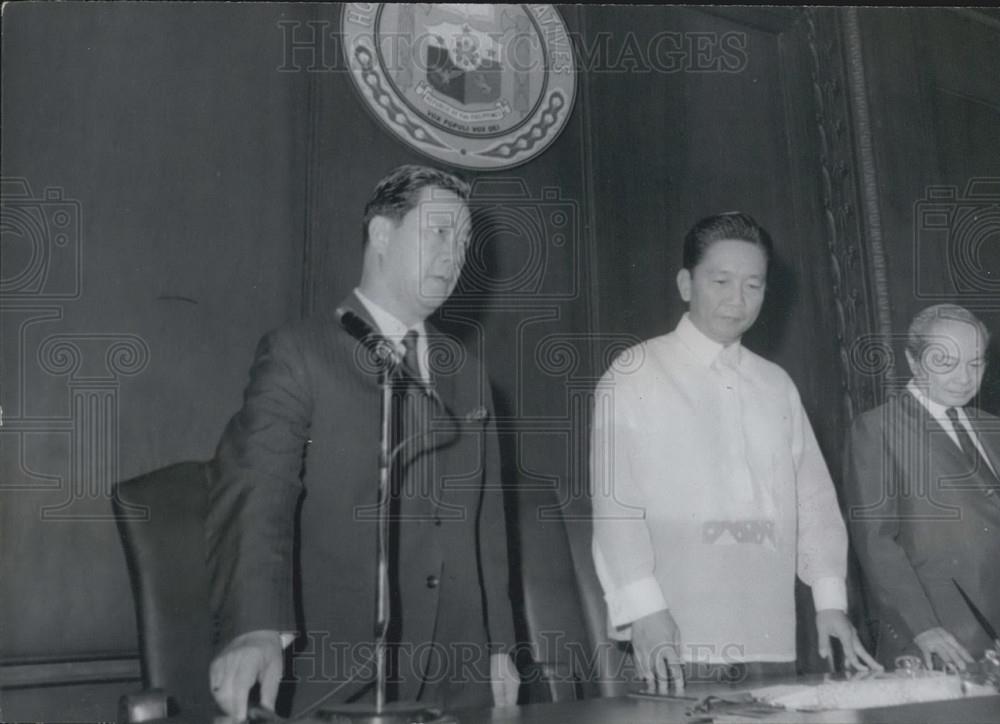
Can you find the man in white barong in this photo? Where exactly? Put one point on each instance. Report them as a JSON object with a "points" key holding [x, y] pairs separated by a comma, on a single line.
{"points": [[709, 490]]}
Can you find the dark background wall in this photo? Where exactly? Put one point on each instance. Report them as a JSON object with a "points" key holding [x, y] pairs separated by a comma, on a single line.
{"points": [[178, 153], [934, 92], [210, 191]]}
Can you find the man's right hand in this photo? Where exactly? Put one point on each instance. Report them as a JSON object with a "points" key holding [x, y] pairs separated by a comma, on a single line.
{"points": [[656, 648], [938, 641], [249, 658]]}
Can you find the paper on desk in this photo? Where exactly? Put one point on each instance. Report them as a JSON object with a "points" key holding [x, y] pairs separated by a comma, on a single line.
{"points": [[871, 692]]}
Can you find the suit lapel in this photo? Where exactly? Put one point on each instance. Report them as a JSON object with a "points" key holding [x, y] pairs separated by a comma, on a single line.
{"points": [[981, 422], [420, 411], [439, 352], [456, 382], [991, 451], [948, 462]]}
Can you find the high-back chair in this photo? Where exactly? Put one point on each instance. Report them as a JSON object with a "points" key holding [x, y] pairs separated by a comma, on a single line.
{"points": [[161, 522], [564, 612]]}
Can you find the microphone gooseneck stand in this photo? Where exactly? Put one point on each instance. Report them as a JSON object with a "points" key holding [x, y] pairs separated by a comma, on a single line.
{"points": [[390, 368]]}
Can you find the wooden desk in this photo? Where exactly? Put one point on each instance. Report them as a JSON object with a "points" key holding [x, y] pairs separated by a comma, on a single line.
{"points": [[980, 710], [628, 710]]}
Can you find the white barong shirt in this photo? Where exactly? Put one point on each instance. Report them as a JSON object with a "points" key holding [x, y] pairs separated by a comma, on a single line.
{"points": [[709, 495]]}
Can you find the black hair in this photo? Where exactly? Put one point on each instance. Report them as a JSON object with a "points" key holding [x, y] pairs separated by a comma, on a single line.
{"points": [[728, 226], [396, 194]]}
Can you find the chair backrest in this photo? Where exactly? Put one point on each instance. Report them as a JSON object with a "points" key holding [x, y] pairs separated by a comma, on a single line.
{"points": [[161, 522], [563, 603]]}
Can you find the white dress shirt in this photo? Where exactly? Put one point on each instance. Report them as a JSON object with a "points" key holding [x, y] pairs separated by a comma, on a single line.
{"points": [[394, 330], [710, 494]]}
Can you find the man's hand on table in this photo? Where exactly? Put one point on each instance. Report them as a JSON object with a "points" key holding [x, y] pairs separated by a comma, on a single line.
{"points": [[656, 650], [939, 641], [833, 622], [249, 658]]}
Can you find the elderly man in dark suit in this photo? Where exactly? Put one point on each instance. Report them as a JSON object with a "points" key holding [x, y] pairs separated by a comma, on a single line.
{"points": [[291, 529], [924, 504]]}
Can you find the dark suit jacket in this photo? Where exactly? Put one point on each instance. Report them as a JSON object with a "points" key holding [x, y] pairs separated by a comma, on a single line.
{"points": [[919, 516], [291, 528]]}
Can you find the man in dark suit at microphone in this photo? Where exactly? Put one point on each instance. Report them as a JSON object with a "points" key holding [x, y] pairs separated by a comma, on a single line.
{"points": [[292, 528]]}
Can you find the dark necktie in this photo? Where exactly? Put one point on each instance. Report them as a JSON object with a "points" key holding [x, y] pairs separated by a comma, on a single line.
{"points": [[410, 362], [969, 448], [408, 476]]}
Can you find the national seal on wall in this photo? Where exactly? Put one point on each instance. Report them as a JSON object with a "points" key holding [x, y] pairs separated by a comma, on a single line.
{"points": [[475, 86]]}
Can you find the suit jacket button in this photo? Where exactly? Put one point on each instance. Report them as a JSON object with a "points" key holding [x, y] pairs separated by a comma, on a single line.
{"points": [[432, 581], [437, 522]]}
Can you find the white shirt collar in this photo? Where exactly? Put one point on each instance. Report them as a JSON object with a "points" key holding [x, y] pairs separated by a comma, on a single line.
{"points": [[937, 410], [705, 350], [390, 327], [940, 413], [394, 330]]}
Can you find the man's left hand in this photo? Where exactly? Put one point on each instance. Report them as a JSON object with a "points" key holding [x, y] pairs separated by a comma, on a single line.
{"points": [[833, 622], [504, 679]]}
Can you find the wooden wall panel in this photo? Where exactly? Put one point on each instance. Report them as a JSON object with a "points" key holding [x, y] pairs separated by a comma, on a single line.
{"points": [[174, 147], [218, 182], [964, 81], [934, 87], [704, 142]]}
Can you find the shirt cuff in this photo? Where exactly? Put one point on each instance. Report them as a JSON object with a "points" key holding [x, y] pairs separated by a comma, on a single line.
{"points": [[830, 592], [635, 600], [286, 638]]}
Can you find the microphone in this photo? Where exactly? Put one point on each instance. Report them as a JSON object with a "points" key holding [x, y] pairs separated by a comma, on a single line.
{"points": [[384, 350], [358, 328]]}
